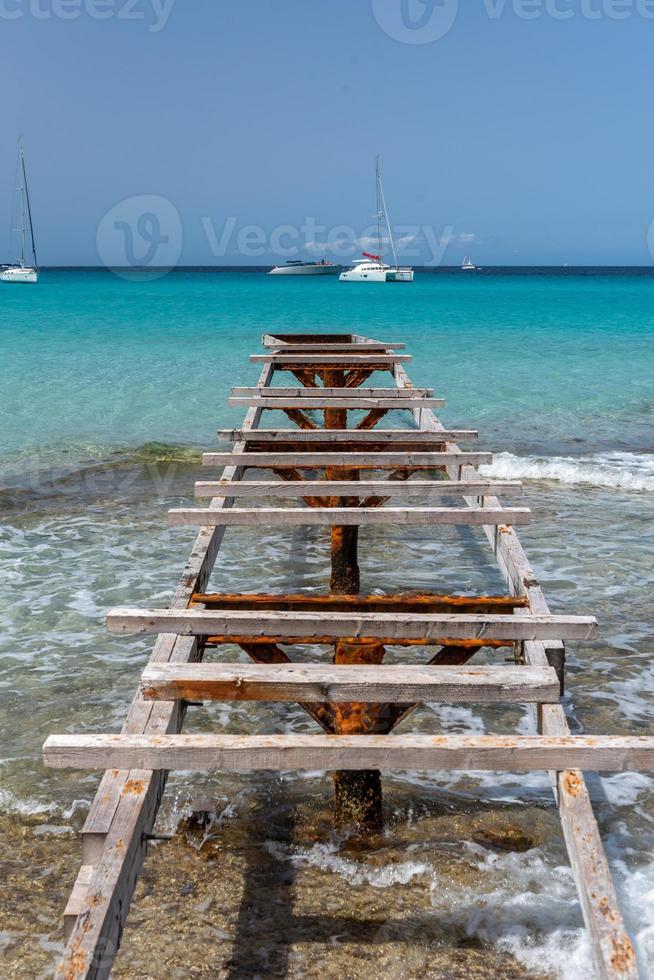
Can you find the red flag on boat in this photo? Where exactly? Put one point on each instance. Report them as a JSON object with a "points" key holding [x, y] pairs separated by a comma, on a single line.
{"points": [[375, 258]]}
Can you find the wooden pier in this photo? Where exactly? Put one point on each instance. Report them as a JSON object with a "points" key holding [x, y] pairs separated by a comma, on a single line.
{"points": [[341, 475]]}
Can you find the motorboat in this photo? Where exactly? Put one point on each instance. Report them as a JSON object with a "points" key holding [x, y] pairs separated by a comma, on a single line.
{"points": [[295, 267]]}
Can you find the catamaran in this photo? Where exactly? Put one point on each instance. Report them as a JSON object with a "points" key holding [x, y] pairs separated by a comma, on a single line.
{"points": [[18, 271], [373, 267], [468, 265]]}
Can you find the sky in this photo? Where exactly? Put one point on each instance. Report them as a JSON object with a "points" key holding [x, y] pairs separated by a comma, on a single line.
{"points": [[211, 132]]}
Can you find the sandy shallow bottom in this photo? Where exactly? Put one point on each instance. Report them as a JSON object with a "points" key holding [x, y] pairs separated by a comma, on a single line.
{"points": [[273, 892]]}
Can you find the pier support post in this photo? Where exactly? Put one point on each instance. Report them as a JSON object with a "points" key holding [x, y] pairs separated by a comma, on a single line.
{"points": [[357, 795]]}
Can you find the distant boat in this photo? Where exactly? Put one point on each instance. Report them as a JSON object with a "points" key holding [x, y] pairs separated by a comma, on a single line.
{"points": [[373, 267], [295, 267], [468, 265], [18, 271]]}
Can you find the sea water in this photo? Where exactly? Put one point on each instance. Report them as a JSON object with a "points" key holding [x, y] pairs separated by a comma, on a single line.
{"points": [[109, 388]]}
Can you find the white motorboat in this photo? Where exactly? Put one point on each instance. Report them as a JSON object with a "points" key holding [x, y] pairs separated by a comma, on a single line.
{"points": [[468, 265], [373, 268], [295, 267], [19, 271]]}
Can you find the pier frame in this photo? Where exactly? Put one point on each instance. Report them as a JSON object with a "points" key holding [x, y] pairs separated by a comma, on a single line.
{"points": [[121, 818]]}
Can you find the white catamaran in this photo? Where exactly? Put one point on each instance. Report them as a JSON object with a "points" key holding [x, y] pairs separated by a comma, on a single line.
{"points": [[373, 268], [18, 271]]}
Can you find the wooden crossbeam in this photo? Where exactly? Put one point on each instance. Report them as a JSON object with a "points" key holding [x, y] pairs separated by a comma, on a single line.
{"points": [[362, 348], [401, 394], [339, 625], [339, 360], [414, 489], [423, 602], [415, 436], [312, 337], [343, 516], [316, 400], [362, 460], [338, 683], [471, 753]]}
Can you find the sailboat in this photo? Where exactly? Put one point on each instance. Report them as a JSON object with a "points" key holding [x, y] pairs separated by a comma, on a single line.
{"points": [[468, 265], [18, 271], [373, 267]]}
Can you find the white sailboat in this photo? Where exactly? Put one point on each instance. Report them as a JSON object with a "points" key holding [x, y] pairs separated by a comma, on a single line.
{"points": [[468, 265], [373, 267], [19, 271]]}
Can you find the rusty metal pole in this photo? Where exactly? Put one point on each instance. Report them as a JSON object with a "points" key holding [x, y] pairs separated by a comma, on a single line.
{"points": [[358, 794]]}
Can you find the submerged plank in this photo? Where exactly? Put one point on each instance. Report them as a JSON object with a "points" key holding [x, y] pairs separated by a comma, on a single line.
{"points": [[205, 622], [329, 682], [418, 489], [472, 753], [355, 516]]}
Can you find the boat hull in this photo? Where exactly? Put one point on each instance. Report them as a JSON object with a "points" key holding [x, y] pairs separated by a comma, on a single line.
{"points": [[12, 274], [305, 270], [377, 275]]}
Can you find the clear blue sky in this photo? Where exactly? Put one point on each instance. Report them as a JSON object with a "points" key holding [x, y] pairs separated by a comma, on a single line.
{"points": [[520, 141]]}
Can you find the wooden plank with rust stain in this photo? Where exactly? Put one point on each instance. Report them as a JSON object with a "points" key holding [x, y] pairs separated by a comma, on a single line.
{"points": [[472, 753], [327, 682]]}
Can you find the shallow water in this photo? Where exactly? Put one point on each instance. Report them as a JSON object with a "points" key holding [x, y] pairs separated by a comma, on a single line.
{"points": [[471, 874]]}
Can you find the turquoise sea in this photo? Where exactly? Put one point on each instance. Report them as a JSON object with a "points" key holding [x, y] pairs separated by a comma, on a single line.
{"points": [[108, 390]]}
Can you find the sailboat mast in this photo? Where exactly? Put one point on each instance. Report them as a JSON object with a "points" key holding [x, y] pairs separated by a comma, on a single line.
{"points": [[388, 224], [378, 203], [29, 210], [21, 172]]}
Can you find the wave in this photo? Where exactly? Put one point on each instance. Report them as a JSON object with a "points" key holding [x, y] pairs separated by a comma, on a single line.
{"points": [[43, 470], [613, 471]]}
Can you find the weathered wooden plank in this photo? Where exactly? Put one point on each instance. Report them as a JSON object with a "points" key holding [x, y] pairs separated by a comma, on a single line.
{"points": [[416, 436], [400, 394], [336, 683], [331, 348], [410, 489], [205, 622], [612, 950], [326, 341], [472, 753], [374, 460], [316, 400], [348, 516], [340, 360]]}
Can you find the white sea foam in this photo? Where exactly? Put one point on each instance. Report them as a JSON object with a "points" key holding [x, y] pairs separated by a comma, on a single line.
{"points": [[325, 858], [614, 471]]}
